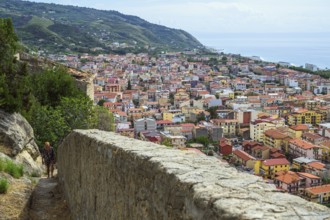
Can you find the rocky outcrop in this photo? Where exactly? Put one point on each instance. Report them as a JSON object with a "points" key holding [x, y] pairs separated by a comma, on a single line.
{"points": [[84, 81], [107, 176], [17, 141]]}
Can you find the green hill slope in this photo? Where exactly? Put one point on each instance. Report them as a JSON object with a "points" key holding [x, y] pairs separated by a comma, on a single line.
{"points": [[57, 27]]}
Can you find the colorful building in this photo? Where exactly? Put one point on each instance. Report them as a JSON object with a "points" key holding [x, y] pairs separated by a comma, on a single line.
{"points": [[258, 128], [225, 147], [296, 131], [301, 148], [288, 181], [244, 159], [229, 127], [319, 194], [304, 116], [277, 139], [268, 168]]}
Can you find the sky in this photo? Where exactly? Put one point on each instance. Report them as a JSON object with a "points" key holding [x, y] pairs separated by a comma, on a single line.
{"points": [[207, 17]]}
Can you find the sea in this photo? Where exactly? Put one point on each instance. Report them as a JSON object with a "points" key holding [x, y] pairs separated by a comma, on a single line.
{"points": [[294, 48]]}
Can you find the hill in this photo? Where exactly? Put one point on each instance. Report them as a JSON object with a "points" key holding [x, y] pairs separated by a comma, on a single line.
{"points": [[57, 28]]}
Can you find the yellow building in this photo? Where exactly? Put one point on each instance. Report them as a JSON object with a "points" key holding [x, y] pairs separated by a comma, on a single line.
{"points": [[180, 97], [325, 150], [178, 141], [315, 104], [268, 168], [319, 194], [257, 130], [304, 116], [226, 93], [259, 126], [167, 116], [230, 127], [277, 138], [325, 113], [244, 159], [296, 131]]}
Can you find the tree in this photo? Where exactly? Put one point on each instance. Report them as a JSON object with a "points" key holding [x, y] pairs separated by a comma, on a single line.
{"points": [[129, 86], [203, 140], [101, 102], [14, 94], [8, 45], [200, 117], [53, 84], [224, 60], [171, 98], [167, 142], [77, 112], [213, 112], [104, 120], [48, 125]]}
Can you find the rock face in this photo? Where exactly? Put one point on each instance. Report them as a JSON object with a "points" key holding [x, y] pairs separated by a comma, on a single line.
{"points": [[17, 141], [107, 176]]}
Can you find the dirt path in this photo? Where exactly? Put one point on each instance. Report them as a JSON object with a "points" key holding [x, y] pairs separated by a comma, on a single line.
{"points": [[47, 202]]}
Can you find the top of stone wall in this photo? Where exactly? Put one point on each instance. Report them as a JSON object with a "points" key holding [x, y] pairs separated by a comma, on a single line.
{"points": [[216, 184]]}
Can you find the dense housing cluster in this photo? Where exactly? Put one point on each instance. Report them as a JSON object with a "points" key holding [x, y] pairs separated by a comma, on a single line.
{"points": [[264, 118]]}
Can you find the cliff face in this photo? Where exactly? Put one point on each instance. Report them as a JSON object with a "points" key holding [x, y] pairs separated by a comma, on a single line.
{"points": [[17, 142], [107, 176]]}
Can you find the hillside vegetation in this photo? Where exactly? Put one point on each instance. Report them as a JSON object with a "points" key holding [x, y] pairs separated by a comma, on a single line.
{"points": [[59, 28], [50, 100]]}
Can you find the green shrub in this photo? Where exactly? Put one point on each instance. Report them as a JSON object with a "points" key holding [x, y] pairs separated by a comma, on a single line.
{"points": [[4, 185], [2, 165], [35, 174], [15, 170]]}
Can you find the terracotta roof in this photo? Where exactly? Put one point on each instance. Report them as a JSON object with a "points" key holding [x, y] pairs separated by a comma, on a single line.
{"points": [[316, 165], [278, 161], [308, 175], [274, 133], [312, 136], [243, 155], [288, 177], [251, 143], [301, 110], [152, 139], [122, 113], [260, 147], [302, 144], [188, 125], [299, 127], [164, 122], [319, 189], [274, 150], [223, 120], [277, 155]]}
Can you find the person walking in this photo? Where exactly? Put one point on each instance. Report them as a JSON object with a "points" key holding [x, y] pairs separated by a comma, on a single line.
{"points": [[48, 158]]}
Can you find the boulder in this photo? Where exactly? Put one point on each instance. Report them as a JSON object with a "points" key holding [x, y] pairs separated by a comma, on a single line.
{"points": [[17, 142]]}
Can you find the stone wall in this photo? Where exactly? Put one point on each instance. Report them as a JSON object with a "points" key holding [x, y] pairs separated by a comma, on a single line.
{"points": [[107, 176]]}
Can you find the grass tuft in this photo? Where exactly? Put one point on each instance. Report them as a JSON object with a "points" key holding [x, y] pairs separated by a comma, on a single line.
{"points": [[8, 166], [4, 185]]}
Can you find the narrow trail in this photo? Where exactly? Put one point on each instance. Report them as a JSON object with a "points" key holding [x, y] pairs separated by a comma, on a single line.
{"points": [[47, 201]]}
